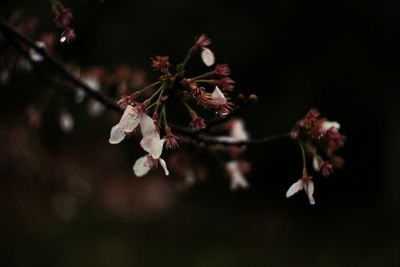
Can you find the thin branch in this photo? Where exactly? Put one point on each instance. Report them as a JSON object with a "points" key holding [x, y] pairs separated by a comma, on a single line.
{"points": [[210, 140], [10, 33]]}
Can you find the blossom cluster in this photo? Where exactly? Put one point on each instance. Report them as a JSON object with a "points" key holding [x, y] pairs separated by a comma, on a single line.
{"points": [[194, 94], [321, 140]]}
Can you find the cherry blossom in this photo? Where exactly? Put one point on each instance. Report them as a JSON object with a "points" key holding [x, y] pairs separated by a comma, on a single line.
{"points": [[129, 121], [236, 176], [208, 57], [221, 105], [35, 56], [143, 165], [327, 125], [66, 122], [316, 163], [238, 130], [305, 183], [152, 144]]}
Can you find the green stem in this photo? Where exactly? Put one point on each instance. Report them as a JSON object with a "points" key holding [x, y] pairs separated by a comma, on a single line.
{"points": [[158, 102], [161, 89], [149, 86], [206, 81], [303, 154], [188, 55], [205, 75], [164, 116], [187, 106]]}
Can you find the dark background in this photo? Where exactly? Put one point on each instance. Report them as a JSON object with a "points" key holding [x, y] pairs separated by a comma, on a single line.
{"points": [[341, 57]]}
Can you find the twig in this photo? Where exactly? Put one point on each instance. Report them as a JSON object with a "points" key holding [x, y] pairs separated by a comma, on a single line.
{"points": [[10, 33]]}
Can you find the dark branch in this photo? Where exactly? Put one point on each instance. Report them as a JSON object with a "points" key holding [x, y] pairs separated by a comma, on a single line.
{"points": [[11, 34], [210, 140], [9, 31]]}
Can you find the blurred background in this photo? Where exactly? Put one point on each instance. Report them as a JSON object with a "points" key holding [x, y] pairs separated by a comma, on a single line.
{"points": [[72, 199]]}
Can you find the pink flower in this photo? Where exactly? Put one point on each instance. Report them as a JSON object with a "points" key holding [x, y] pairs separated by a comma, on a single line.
{"points": [[326, 169], [171, 140], [161, 63], [200, 95], [198, 123], [64, 18], [222, 70], [226, 83], [203, 41]]}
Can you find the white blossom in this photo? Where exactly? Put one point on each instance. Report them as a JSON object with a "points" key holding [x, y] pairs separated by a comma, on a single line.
{"points": [[66, 122], [95, 108], [236, 133], [217, 97], [307, 185], [152, 144], [143, 165], [35, 56], [316, 162], [92, 82], [79, 95], [236, 176], [238, 130], [129, 121], [326, 125], [208, 57]]}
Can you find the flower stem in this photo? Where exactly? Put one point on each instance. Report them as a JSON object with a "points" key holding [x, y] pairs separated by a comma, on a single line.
{"points": [[303, 154], [163, 116], [147, 87], [205, 75], [188, 55]]}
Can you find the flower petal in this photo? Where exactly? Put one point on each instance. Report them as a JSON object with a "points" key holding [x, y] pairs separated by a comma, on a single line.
{"points": [[95, 108], [92, 82], [208, 57], [148, 127], [237, 178], [116, 135], [142, 166], [238, 131], [130, 119], [164, 165], [34, 55], [217, 97], [79, 95], [326, 125], [316, 162], [296, 187], [309, 188], [153, 145], [66, 122]]}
